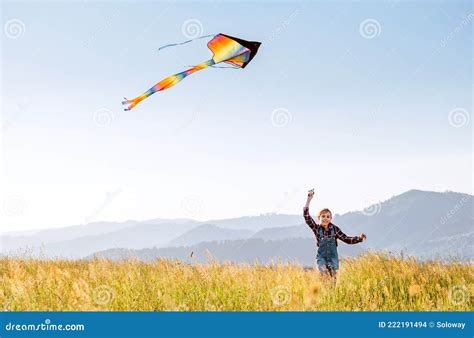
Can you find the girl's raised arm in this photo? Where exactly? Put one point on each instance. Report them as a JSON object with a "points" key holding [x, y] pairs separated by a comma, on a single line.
{"points": [[308, 219]]}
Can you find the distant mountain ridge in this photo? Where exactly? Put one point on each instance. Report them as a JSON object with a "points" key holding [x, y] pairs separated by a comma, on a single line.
{"points": [[208, 233], [282, 233], [250, 251], [421, 223]]}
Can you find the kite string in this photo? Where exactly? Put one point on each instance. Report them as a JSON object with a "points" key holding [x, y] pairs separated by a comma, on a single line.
{"points": [[185, 42]]}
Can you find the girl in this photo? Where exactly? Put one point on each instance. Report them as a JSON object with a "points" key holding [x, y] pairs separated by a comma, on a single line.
{"points": [[327, 235]]}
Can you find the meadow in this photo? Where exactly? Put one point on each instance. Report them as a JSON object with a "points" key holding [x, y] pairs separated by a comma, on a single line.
{"points": [[372, 282]]}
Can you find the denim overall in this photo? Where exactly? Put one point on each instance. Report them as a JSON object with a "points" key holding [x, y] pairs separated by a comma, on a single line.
{"points": [[327, 258]]}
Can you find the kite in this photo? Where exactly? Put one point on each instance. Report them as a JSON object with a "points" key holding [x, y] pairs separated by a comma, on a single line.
{"points": [[225, 48]]}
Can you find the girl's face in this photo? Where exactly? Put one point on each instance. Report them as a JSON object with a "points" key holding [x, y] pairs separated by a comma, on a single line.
{"points": [[325, 218]]}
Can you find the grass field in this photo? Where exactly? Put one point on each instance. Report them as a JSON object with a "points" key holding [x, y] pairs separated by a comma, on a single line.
{"points": [[368, 283]]}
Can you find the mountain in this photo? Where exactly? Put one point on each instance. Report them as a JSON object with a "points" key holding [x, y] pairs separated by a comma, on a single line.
{"points": [[410, 221], [207, 233], [255, 223], [137, 236], [82, 240], [420, 223], [281, 233], [295, 250], [17, 240]]}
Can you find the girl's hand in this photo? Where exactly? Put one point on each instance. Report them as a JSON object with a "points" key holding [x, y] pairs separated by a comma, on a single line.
{"points": [[311, 193], [362, 237]]}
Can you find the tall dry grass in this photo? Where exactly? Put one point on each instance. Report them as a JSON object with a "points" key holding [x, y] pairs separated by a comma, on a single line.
{"points": [[367, 283]]}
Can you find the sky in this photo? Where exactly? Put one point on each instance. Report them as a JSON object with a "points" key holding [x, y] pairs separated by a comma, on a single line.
{"points": [[360, 100]]}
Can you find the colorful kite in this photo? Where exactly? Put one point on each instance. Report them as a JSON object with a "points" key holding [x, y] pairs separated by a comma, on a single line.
{"points": [[233, 51]]}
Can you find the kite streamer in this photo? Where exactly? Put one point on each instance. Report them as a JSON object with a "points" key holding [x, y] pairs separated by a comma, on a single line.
{"points": [[225, 48], [185, 42]]}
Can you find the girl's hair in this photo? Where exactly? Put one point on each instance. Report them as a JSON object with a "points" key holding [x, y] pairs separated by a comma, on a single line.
{"points": [[323, 211]]}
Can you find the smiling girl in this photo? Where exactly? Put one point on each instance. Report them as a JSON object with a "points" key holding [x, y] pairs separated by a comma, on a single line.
{"points": [[327, 235]]}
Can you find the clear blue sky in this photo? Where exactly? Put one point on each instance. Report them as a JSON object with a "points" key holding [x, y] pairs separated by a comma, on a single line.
{"points": [[369, 116]]}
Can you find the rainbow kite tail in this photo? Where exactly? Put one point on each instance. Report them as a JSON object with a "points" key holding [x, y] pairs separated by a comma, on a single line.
{"points": [[132, 103], [129, 104], [166, 83]]}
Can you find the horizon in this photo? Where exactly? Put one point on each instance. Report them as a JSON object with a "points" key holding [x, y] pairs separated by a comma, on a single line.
{"points": [[312, 211], [340, 97]]}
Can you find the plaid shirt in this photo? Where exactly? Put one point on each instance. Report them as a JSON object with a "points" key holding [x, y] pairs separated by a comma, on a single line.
{"points": [[339, 234]]}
